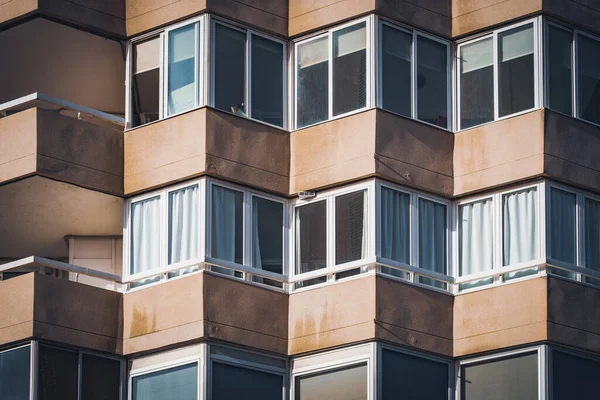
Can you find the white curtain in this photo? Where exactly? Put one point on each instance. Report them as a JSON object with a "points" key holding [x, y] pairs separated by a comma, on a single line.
{"points": [[592, 234], [183, 226], [476, 243], [226, 220], [395, 228], [145, 235], [520, 229], [432, 238]]}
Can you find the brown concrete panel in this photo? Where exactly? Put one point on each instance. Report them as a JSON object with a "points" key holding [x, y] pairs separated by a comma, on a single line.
{"points": [[414, 154], [499, 153], [469, 16], [165, 152], [503, 316], [267, 15], [245, 314], [16, 297], [331, 316], [308, 15], [104, 16], [412, 316], [333, 152], [581, 13], [76, 314], [573, 314], [163, 315], [248, 152], [18, 135], [434, 16], [571, 148]]}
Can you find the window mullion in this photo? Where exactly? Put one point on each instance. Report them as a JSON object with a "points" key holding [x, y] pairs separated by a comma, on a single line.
{"points": [[330, 75], [496, 83], [413, 76], [575, 75], [248, 83]]}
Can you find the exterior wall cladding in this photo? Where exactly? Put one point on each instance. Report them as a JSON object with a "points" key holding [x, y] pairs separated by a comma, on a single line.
{"points": [[298, 199]]}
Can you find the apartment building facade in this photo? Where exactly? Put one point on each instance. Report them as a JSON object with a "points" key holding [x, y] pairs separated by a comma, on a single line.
{"points": [[297, 200]]}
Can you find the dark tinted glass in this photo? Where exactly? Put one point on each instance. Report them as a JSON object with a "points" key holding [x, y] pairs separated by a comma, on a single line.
{"points": [[574, 377], [350, 227], [513, 378], [230, 69], [311, 235], [267, 80], [560, 60], [476, 83], [349, 69], [432, 81], [230, 382], [312, 75], [589, 79], [58, 374], [14, 374], [413, 377], [396, 54], [100, 378]]}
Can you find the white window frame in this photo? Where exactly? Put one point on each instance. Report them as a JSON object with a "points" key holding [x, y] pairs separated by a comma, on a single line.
{"points": [[379, 367], [33, 365], [337, 359], [248, 68], [537, 57], [413, 269], [331, 268], [413, 74], [498, 269], [540, 351], [369, 51]]}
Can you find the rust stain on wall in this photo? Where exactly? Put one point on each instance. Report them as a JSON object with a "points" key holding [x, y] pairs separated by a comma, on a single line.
{"points": [[140, 324]]}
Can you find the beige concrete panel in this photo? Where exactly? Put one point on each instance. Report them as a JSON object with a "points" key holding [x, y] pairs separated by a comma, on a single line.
{"points": [[412, 316], [333, 152], [16, 297], [63, 62], [165, 152], [18, 135], [332, 315], [245, 314], [573, 313], [268, 15], [167, 313], [248, 152], [581, 13], [77, 314], [12, 9], [104, 16], [414, 154], [469, 16], [506, 315], [308, 15], [431, 15], [499, 153]]}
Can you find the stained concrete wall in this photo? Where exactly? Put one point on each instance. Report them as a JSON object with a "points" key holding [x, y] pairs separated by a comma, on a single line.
{"points": [[206, 141]]}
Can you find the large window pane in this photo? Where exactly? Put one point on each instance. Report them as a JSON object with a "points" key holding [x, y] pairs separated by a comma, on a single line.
{"points": [[396, 54], [560, 77], [100, 378], [267, 234], [350, 227], [341, 384], [181, 76], [513, 378], [267, 80], [432, 238], [476, 83], [574, 377], [15, 374], [183, 224], [145, 90], [589, 78], [311, 237], [350, 68], [395, 226], [145, 235], [232, 382], [409, 377], [312, 91], [476, 239], [227, 224], [516, 70], [520, 230], [592, 234], [563, 231], [179, 383], [58, 374], [230, 66], [432, 81]]}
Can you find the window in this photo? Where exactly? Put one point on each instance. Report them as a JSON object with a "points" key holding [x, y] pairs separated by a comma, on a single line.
{"points": [[227, 224], [573, 376], [175, 383], [401, 53], [181, 68], [145, 89], [432, 238], [495, 84], [510, 218], [413, 376], [332, 76], [236, 50], [512, 377], [563, 228], [145, 236], [15, 373], [588, 50], [592, 234], [560, 69], [346, 215], [395, 228], [100, 378]]}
